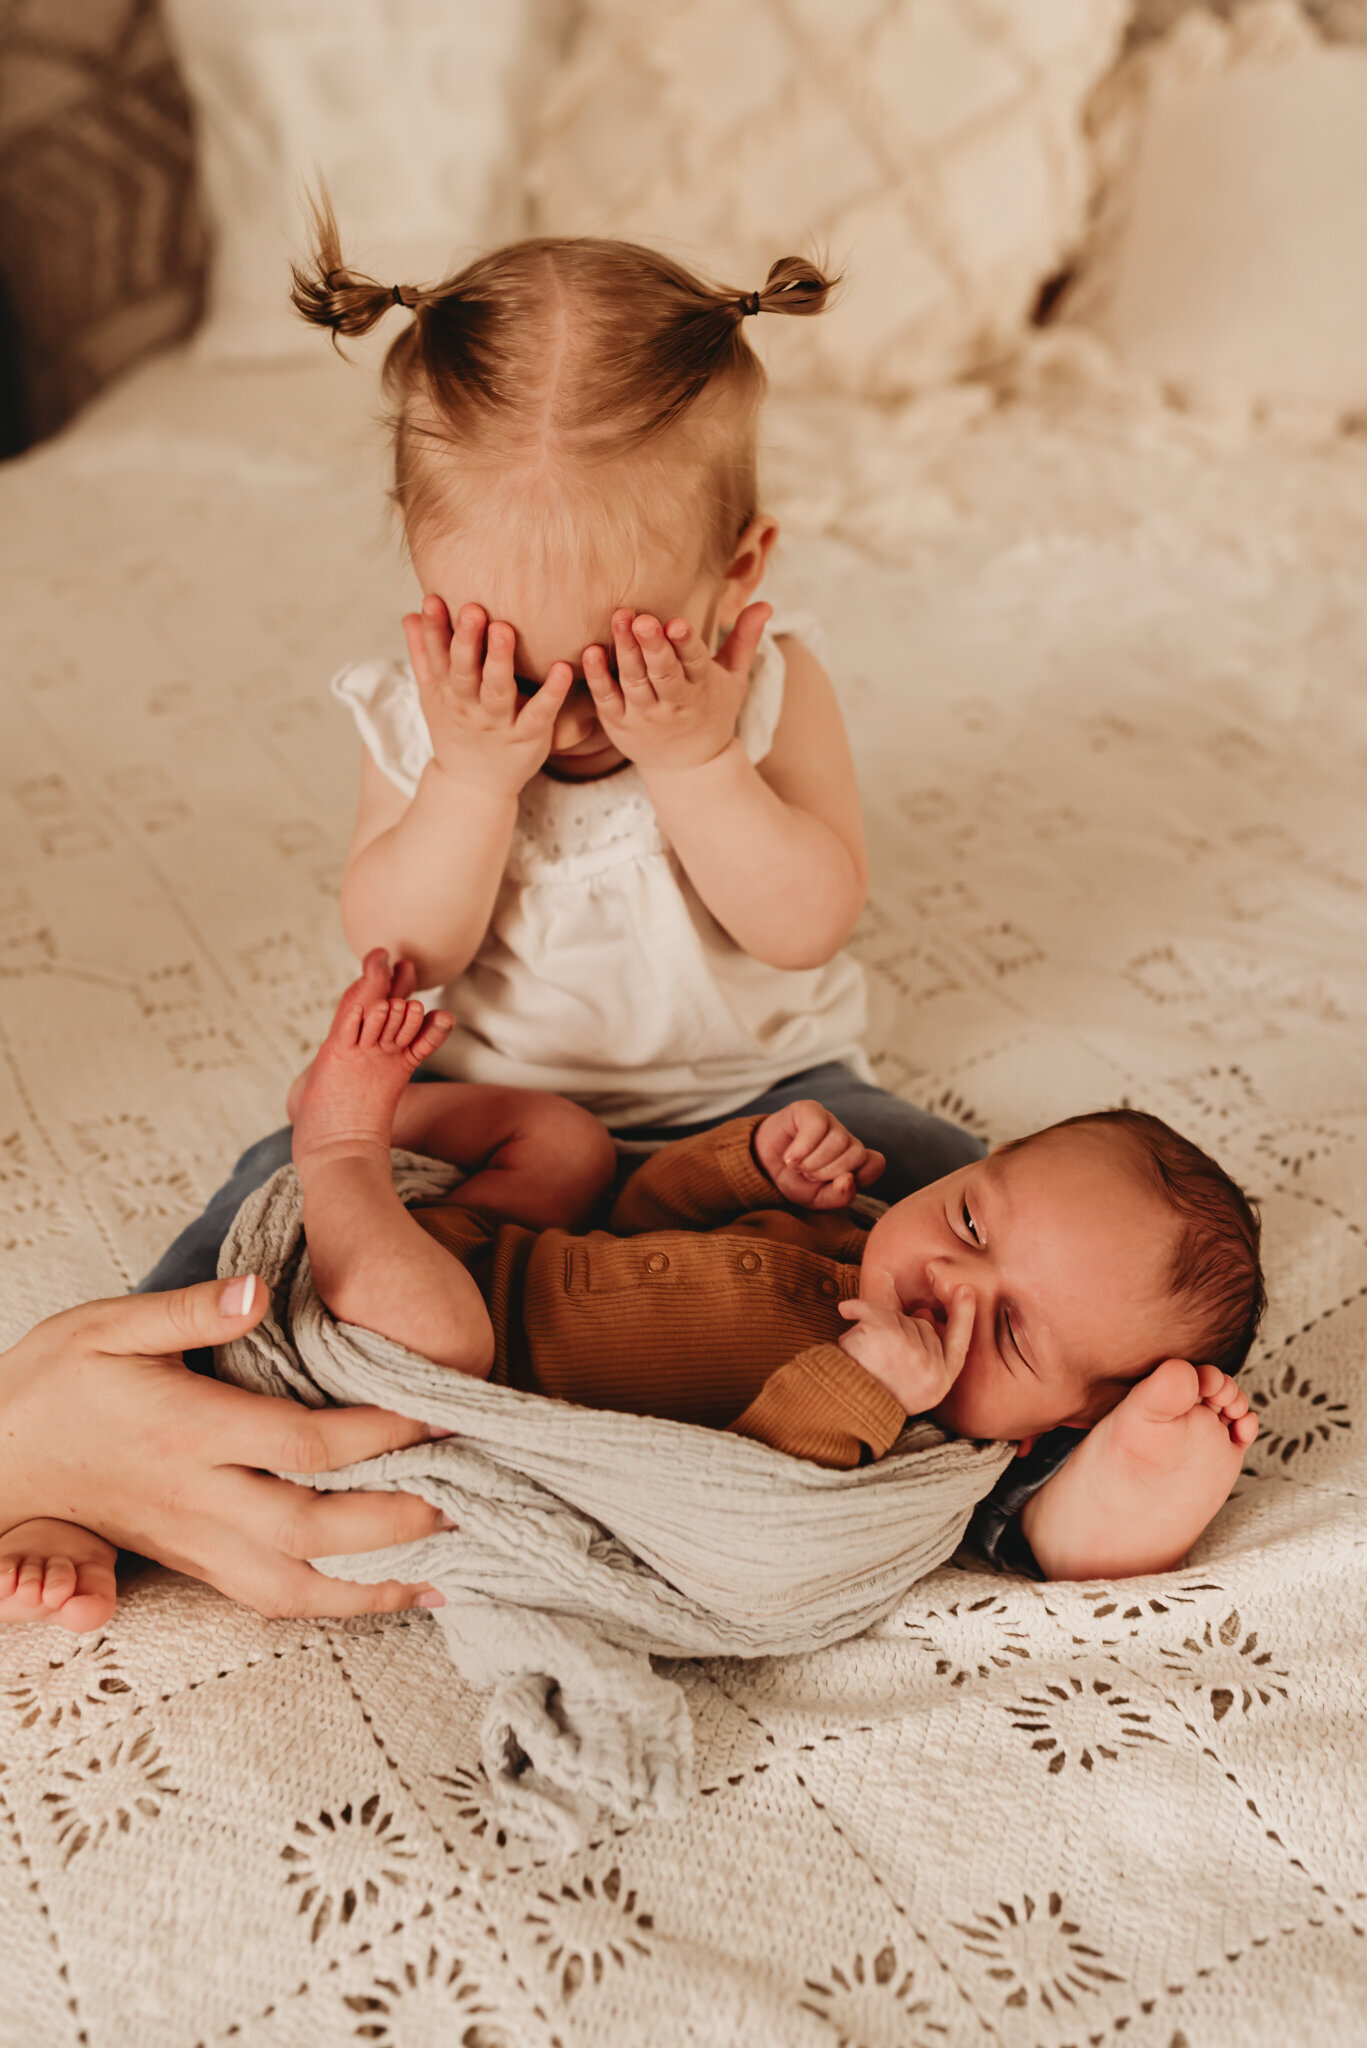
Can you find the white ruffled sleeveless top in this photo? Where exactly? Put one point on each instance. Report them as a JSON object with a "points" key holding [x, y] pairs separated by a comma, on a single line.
{"points": [[603, 976]]}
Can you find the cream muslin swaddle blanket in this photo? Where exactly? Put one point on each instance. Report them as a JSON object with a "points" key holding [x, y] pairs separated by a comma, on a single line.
{"points": [[587, 1542]]}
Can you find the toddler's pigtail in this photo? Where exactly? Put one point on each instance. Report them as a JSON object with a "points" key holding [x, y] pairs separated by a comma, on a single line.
{"points": [[330, 295], [794, 285]]}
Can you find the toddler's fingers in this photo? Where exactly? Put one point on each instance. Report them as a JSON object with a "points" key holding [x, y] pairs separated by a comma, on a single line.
{"points": [[435, 628], [465, 648], [607, 698], [743, 639], [662, 663], [631, 667], [498, 685], [695, 657], [539, 713]]}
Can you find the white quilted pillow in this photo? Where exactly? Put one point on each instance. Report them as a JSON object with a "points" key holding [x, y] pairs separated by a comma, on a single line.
{"points": [[1229, 261], [407, 109], [932, 148]]}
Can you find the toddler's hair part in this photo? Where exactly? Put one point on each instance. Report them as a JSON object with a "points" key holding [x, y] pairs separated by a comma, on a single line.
{"points": [[560, 354], [1216, 1269]]}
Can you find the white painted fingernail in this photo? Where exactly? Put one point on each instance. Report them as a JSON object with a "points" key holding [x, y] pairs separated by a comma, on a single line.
{"points": [[238, 1296]]}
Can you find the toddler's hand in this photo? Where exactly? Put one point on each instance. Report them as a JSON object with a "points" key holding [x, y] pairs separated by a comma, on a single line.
{"points": [[485, 733], [672, 705], [913, 1358], [812, 1159]]}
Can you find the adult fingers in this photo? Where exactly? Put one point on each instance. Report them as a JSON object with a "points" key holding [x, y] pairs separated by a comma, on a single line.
{"points": [[281, 1587], [158, 1325], [742, 642], [231, 1426], [297, 1522]]}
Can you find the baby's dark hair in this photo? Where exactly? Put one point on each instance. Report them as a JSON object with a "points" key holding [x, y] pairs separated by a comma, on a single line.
{"points": [[1215, 1267], [562, 354]]}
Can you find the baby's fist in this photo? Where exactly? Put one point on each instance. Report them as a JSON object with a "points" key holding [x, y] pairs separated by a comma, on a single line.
{"points": [[811, 1158]]}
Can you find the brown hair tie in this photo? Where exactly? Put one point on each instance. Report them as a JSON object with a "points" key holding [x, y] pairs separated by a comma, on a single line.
{"points": [[396, 293], [748, 303]]}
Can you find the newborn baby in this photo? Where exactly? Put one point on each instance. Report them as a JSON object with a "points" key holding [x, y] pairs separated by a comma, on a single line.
{"points": [[1068, 1279]]}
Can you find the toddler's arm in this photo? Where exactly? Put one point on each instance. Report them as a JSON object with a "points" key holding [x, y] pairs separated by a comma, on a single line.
{"points": [[776, 851], [422, 875]]}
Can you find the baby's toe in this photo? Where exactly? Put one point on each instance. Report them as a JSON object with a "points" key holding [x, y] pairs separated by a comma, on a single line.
{"points": [[1170, 1390]]}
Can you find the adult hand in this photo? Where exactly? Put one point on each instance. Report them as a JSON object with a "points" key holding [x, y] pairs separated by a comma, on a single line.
{"points": [[102, 1424]]}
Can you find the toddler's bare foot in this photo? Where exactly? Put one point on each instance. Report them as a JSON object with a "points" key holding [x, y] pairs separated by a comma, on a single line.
{"points": [[1145, 1481], [54, 1571], [345, 1108]]}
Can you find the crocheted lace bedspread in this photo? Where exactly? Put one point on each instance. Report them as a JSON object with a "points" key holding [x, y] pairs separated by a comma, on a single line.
{"points": [[1104, 667]]}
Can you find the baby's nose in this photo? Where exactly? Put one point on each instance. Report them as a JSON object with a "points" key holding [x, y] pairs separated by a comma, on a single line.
{"points": [[576, 720], [944, 1284]]}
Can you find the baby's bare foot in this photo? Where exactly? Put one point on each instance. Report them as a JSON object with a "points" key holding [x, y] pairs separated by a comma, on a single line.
{"points": [[54, 1571], [1143, 1484], [374, 984], [345, 1107]]}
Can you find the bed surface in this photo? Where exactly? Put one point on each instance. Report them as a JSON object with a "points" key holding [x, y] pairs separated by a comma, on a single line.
{"points": [[1106, 671]]}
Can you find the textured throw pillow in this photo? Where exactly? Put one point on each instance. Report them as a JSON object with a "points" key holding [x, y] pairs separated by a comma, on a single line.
{"points": [[931, 148], [1230, 255], [406, 109]]}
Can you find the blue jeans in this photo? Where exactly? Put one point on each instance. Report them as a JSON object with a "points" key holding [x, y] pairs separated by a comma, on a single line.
{"points": [[919, 1148]]}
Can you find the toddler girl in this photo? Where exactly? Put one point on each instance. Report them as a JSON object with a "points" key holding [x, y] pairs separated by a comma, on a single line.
{"points": [[607, 807]]}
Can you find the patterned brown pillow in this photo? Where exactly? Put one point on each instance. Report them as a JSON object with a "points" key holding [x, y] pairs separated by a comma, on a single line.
{"points": [[102, 246]]}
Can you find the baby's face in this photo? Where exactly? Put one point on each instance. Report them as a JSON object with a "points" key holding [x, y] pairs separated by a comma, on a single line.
{"points": [[1066, 1250], [556, 616]]}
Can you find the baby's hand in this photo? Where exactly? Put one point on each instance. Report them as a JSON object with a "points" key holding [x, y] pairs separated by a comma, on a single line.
{"points": [[485, 733], [812, 1159], [672, 705], [913, 1358]]}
